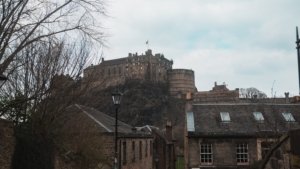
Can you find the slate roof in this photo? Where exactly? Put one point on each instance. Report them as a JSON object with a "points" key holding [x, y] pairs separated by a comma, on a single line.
{"points": [[106, 123], [208, 122]]}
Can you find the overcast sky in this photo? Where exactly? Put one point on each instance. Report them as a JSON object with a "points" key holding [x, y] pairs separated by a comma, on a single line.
{"points": [[244, 43]]}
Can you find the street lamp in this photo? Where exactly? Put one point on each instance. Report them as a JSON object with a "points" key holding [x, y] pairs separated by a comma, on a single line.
{"points": [[116, 97], [2, 79]]}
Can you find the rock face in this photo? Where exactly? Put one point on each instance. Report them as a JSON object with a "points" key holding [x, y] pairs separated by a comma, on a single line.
{"points": [[7, 143], [142, 102]]}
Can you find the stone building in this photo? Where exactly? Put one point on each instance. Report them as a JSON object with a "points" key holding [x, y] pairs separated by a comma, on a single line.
{"points": [[164, 155], [7, 143], [219, 93], [235, 134], [144, 67], [90, 133], [134, 67]]}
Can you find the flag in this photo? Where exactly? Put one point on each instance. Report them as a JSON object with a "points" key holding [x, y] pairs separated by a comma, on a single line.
{"points": [[147, 42]]}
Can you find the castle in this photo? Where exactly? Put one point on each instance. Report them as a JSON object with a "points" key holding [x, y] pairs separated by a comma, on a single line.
{"points": [[145, 67]]}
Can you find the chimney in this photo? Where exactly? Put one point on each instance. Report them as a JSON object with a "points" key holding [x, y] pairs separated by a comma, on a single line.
{"points": [[215, 84], [169, 134], [287, 99]]}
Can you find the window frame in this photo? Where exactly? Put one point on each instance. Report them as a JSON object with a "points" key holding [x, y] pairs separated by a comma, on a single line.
{"points": [[242, 153], [206, 154]]}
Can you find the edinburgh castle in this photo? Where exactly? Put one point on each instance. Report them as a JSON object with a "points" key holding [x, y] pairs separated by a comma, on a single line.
{"points": [[145, 67]]}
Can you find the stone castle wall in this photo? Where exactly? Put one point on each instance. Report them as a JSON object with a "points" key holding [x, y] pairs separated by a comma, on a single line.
{"points": [[181, 81], [135, 67]]}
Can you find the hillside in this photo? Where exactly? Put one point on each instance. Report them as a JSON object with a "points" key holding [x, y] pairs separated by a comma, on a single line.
{"points": [[142, 102]]}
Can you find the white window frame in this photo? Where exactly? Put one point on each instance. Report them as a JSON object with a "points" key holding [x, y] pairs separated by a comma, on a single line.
{"points": [[242, 154], [258, 116], [206, 154], [225, 116], [288, 117]]}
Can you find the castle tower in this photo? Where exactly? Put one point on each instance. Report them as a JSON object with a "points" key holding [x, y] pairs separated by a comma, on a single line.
{"points": [[181, 82]]}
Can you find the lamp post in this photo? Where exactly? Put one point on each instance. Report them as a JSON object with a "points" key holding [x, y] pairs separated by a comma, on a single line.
{"points": [[116, 97], [2, 79]]}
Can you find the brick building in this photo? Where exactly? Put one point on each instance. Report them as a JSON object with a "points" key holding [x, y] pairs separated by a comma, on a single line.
{"points": [[235, 134], [86, 131]]}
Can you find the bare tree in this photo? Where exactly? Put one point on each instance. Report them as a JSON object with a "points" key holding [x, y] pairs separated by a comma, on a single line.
{"points": [[32, 72], [251, 93], [26, 22]]}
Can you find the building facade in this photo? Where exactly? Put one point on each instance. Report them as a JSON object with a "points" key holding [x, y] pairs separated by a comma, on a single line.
{"points": [[235, 134], [90, 133]]}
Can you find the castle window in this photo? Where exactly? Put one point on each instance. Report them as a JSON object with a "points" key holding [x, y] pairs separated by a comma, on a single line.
{"points": [[242, 153], [206, 154], [115, 70], [108, 71], [120, 70]]}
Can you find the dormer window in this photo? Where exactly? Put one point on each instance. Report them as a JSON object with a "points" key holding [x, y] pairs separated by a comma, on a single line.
{"points": [[258, 116], [225, 116], [288, 116]]}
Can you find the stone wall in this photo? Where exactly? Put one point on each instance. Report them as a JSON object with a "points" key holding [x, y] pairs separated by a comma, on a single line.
{"points": [[7, 143], [138, 154], [219, 93], [134, 67], [181, 82], [224, 152]]}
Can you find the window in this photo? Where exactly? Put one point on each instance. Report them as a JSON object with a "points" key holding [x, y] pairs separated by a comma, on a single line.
{"points": [[141, 144], [258, 116], [225, 116], [151, 147], [124, 152], [242, 153], [288, 116], [206, 154], [190, 121], [133, 151], [265, 148], [146, 149]]}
